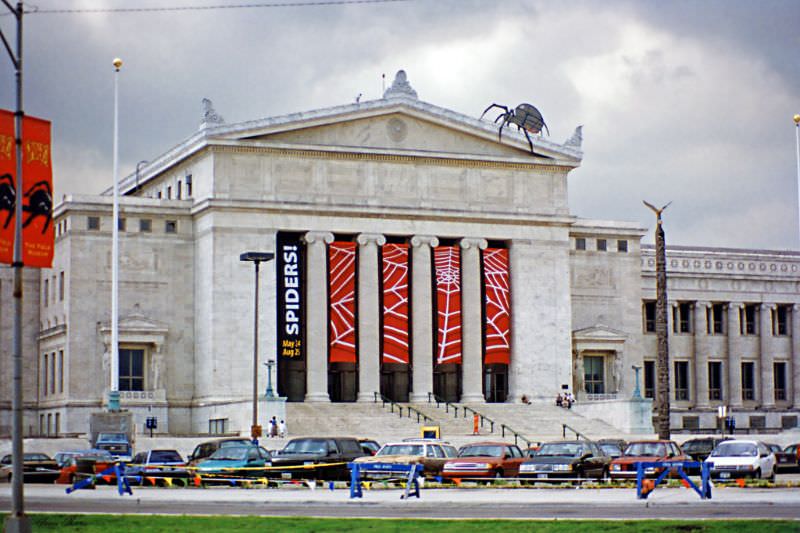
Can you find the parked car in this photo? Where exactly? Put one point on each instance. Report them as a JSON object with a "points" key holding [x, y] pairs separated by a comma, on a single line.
{"points": [[784, 461], [311, 452], [795, 449], [431, 453], [36, 468], [77, 464], [742, 458], [611, 449], [369, 446], [204, 450], [484, 460], [702, 447], [647, 451], [117, 443], [236, 461], [157, 464], [574, 459]]}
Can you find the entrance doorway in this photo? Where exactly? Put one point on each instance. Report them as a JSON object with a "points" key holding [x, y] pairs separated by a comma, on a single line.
{"points": [[342, 382], [495, 383], [292, 379], [395, 381], [447, 382]]}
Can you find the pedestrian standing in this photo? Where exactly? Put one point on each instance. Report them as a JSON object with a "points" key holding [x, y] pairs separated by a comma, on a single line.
{"points": [[282, 429], [273, 427]]}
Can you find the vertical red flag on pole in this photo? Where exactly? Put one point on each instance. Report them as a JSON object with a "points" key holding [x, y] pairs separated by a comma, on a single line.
{"points": [[36, 194]]}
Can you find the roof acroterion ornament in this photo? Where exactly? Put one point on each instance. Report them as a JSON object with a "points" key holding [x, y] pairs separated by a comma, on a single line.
{"points": [[577, 138], [210, 116], [400, 87]]}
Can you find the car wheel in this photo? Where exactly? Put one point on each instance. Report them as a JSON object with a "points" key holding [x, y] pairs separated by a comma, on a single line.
{"points": [[605, 476], [498, 473], [773, 476], [757, 474]]}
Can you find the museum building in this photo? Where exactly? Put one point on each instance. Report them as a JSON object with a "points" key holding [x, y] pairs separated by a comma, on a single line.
{"points": [[416, 255]]}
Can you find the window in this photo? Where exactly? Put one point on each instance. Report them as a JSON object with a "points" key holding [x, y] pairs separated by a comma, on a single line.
{"points": [[748, 381], [602, 245], [649, 379], [158, 195], [131, 369], [145, 225], [650, 317], [594, 374], [747, 319], [188, 185], [178, 191], [61, 371], [622, 246], [580, 243], [715, 319], [121, 224], [171, 226], [53, 373], [681, 380], [46, 292], [682, 318], [61, 286], [93, 223], [169, 192], [779, 379], [44, 374], [715, 380], [780, 320]]}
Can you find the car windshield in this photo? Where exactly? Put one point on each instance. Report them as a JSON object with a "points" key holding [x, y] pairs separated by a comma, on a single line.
{"points": [[693, 446], [239, 442], [560, 449], [656, 449], [402, 449], [735, 449], [112, 437], [481, 451], [165, 456], [230, 453], [611, 449], [306, 446]]}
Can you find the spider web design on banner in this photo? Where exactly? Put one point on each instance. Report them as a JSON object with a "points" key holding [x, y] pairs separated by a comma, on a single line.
{"points": [[395, 303], [498, 306], [342, 291], [448, 304]]}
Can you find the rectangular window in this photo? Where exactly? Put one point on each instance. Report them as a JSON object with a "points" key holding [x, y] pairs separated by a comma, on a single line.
{"points": [[145, 225], [715, 319], [46, 292], [171, 226], [93, 223], [61, 286], [46, 359], [131, 370], [779, 378], [217, 426], [61, 371], [158, 195], [121, 224], [169, 192], [53, 373], [602, 245], [747, 319], [748, 381], [650, 317], [594, 374], [649, 379], [715, 380], [681, 380], [780, 322], [682, 318], [580, 243], [178, 191], [188, 185], [622, 246]]}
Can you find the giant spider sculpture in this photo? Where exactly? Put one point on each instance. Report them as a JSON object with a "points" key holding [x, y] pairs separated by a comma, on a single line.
{"points": [[525, 117], [40, 204]]}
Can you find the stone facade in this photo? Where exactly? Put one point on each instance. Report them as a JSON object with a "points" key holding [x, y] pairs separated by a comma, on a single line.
{"points": [[394, 169]]}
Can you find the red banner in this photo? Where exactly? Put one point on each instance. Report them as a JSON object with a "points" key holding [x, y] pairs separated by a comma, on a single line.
{"points": [[395, 303], [448, 304], [36, 194], [342, 301], [496, 283]]}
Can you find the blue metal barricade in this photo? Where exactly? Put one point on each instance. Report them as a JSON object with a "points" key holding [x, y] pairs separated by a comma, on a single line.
{"points": [[117, 469], [704, 491], [410, 472]]}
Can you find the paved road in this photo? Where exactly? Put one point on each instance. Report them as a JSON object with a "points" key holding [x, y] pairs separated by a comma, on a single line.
{"points": [[434, 503]]}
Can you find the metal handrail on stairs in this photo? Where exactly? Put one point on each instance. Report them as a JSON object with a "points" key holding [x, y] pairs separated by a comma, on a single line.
{"points": [[409, 409], [565, 427], [447, 405], [481, 415], [432, 397], [517, 435]]}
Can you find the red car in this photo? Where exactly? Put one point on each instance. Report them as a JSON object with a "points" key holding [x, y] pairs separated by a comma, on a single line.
{"points": [[484, 460], [646, 451]]}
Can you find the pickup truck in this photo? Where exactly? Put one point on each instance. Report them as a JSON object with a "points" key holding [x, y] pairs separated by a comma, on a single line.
{"points": [[117, 443], [305, 457]]}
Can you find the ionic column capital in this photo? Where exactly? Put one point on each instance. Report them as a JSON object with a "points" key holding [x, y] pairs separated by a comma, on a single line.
{"points": [[421, 240], [735, 305], [767, 306], [365, 239], [471, 242], [318, 236]]}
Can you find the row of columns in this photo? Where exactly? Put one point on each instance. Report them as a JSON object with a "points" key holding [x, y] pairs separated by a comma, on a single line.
{"points": [[370, 309], [735, 348]]}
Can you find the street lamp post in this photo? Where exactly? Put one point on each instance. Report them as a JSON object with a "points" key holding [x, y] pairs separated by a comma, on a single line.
{"points": [[113, 393], [256, 258], [269, 392]]}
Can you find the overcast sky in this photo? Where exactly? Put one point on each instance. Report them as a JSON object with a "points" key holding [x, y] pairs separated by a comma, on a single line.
{"points": [[686, 101]]}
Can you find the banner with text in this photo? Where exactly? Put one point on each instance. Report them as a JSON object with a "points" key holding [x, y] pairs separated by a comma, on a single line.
{"points": [[289, 267]]}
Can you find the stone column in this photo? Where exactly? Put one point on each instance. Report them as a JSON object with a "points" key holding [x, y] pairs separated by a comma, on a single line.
{"points": [[794, 381], [767, 392], [734, 363], [701, 310], [471, 327], [369, 313], [317, 315], [421, 317]]}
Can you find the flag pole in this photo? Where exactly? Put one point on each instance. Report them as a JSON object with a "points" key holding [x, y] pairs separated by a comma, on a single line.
{"points": [[113, 394]]}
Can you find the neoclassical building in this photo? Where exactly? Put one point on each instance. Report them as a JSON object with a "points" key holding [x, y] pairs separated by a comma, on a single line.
{"points": [[416, 254]]}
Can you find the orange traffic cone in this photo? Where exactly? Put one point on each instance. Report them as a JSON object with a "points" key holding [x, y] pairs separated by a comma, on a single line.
{"points": [[740, 482]]}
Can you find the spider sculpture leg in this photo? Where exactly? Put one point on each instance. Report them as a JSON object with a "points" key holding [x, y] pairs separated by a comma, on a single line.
{"points": [[530, 143], [8, 218], [500, 132], [504, 108]]}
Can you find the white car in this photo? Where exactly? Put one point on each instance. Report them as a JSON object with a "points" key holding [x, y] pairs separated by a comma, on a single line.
{"points": [[742, 458]]}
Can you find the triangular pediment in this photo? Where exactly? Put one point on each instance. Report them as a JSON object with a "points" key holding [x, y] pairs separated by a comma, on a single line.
{"points": [[599, 332]]}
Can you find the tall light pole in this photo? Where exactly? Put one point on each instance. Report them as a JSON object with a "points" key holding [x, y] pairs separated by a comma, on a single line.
{"points": [[17, 520], [113, 393], [662, 336], [256, 258]]}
